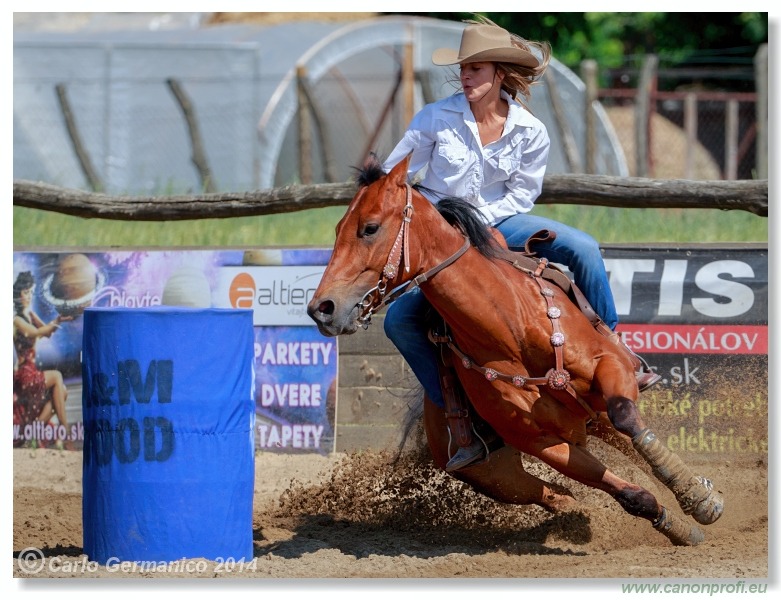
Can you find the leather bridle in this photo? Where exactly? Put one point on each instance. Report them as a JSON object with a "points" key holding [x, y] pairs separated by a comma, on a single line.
{"points": [[376, 298]]}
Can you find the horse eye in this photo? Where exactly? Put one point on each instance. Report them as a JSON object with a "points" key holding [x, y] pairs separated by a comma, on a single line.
{"points": [[370, 229]]}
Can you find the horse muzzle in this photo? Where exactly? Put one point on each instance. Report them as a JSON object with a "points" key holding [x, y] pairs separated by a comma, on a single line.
{"points": [[330, 320]]}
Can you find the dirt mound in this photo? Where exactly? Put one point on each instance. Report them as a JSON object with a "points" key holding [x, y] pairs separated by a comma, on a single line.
{"points": [[668, 147]]}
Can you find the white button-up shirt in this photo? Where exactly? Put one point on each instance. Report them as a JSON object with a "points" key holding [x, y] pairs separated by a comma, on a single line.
{"points": [[501, 179]]}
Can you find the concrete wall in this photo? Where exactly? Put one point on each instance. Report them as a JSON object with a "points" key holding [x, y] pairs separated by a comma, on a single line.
{"points": [[375, 384]]}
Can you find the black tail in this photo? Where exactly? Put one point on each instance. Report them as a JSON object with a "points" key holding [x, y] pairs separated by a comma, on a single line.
{"points": [[411, 424]]}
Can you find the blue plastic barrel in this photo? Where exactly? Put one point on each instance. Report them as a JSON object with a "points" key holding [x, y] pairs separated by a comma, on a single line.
{"points": [[169, 414]]}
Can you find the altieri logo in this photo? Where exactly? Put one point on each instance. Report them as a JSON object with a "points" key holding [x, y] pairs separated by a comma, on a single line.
{"points": [[242, 291], [277, 295]]}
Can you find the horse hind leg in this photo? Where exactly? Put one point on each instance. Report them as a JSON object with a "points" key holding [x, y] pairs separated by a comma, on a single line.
{"points": [[502, 477], [694, 493], [577, 463]]}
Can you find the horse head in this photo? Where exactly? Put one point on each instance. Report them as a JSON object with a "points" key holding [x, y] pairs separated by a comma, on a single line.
{"points": [[369, 238]]}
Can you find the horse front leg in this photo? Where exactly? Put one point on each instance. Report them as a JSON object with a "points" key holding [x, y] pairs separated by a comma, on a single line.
{"points": [[694, 493]]}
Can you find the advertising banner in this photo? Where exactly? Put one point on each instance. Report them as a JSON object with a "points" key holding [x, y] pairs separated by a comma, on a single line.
{"points": [[698, 314], [295, 368], [277, 295]]}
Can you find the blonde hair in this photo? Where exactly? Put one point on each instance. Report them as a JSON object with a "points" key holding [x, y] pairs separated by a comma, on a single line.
{"points": [[519, 80]]}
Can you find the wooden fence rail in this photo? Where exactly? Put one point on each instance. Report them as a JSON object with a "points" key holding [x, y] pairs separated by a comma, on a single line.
{"points": [[586, 190]]}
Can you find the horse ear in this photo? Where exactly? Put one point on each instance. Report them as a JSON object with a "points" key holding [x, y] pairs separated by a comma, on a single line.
{"points": [[398, 174]]}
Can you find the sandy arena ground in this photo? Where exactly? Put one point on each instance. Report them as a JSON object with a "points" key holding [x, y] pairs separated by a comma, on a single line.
{"points": [[356, 516]]}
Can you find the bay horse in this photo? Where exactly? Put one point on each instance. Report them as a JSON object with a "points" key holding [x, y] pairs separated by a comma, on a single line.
{"points": [[532, 365]]}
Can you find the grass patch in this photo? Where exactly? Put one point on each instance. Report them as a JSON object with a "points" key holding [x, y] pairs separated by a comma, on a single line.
{"points": [[647, 225], [315, 227]]}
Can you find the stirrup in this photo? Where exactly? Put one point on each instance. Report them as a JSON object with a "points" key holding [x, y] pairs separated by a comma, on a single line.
{"points": [[646, 376], [646, 379]]}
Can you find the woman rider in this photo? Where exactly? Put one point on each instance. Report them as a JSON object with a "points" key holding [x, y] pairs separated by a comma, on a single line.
{"points": [[483, 145]]}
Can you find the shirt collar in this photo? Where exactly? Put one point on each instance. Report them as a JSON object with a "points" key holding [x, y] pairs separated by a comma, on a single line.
{"points": [[517, 115]]}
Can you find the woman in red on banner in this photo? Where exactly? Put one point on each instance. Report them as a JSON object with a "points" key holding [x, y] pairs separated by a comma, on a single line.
{"points": [[38, 395]]}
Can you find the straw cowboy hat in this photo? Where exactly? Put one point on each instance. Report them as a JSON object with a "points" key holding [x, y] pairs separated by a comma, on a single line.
{"points": [[485, 43]]}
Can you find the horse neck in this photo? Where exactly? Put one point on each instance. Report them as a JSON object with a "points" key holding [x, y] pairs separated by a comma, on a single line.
{"points": [[432, 240], [460, 291]]}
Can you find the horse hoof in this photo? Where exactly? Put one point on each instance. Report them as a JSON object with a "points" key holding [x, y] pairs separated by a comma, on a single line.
{"points": [[709, 509], [558, 503], [677, 530], [695, 537]]}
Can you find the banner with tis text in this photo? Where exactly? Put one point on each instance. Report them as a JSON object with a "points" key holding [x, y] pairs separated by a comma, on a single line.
{"points": [[699, 316]]}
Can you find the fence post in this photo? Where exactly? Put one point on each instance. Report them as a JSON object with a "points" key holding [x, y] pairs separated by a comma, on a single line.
{"points": [[408, 77], [108, 117], [731, 140], [196, 142], [304, 129], [256, 114], [96, 184], [321, 127], [588, 70], [574, 164], [760, 73], [690, 126], [646, 87]]}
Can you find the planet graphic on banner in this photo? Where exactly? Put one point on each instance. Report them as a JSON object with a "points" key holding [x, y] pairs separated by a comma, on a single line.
{"points": [[187, 286], [72, 286]]}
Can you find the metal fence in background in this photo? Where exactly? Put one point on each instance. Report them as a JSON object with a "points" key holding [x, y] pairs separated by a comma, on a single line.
{"points": [[690, 135], [690, 123]]}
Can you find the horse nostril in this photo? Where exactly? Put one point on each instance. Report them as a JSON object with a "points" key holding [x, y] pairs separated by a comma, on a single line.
{"points": [[326, 307]]}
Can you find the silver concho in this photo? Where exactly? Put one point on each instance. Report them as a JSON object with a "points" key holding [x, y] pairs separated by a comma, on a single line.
{"points": [[557, 339], [558, 380], [554, 312], [519, 381], [491, 375]]}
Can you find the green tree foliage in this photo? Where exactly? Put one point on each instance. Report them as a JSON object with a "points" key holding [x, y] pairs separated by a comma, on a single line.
{"points": [[725, 41]]}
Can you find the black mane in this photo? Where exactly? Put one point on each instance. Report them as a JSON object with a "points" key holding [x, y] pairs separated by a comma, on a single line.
{"points": [[370, 172], [456, 211], [469, 220]]}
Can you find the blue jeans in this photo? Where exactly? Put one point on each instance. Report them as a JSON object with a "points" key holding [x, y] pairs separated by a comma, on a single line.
{"points": [[578, 251], [405, 319]]}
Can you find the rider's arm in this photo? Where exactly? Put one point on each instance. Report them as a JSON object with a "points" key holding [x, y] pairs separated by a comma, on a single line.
{"points": [[419, 139]]}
